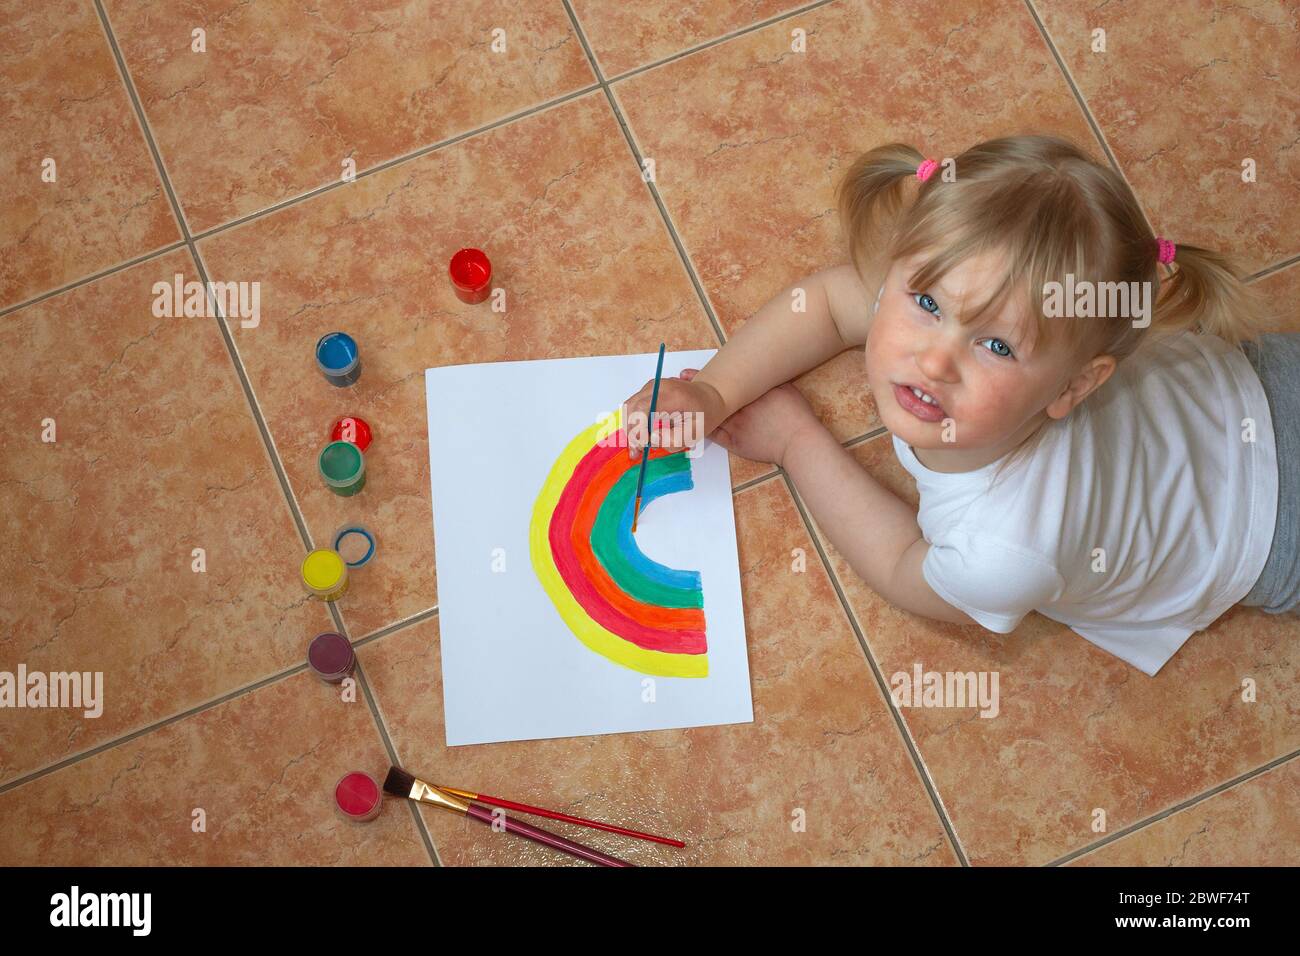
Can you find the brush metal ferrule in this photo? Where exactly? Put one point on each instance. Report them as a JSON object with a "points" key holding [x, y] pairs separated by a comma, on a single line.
{"points": [[427, 793]]}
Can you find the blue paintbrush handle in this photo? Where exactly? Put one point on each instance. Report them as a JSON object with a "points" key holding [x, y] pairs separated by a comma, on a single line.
{"points": [[645, 453]]}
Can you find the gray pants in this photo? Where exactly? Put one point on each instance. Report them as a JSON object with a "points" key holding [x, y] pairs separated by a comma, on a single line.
{"points": [[1276, 358]]}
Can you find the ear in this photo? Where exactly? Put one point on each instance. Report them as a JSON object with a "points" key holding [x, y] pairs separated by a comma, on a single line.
{"points": [[1086, 381]]}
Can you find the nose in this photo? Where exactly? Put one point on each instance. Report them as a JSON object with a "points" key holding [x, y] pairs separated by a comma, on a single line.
{"points": [[935, 360]]}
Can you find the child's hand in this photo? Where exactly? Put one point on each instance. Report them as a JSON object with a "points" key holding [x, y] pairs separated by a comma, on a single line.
{"points": [[765, 429], [697, 406]]}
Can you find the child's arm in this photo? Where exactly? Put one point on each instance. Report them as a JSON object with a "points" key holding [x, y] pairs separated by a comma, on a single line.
{"points": [[873, 529], [778, 344], [774, 346]]}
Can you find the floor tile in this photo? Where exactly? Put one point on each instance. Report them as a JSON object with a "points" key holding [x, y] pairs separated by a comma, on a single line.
{"points": [[626, 35], [1281, 291], [372, 259], [1182, 109], [63, 99], [823, 741], [748, 164], [1078, 729], [1256, 823], [155, 454], [286, 92], [261, 767]]}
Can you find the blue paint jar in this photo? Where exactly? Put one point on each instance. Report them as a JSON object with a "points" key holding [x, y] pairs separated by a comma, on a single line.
{"points": [[338, 358]]}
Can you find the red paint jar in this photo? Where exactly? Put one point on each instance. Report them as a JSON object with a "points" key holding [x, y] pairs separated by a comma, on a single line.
{"points": [[358, 797], [352, 429], [471, 275]]}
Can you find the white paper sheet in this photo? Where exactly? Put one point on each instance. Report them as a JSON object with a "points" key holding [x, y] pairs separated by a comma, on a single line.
{"points": [[512, 668]]}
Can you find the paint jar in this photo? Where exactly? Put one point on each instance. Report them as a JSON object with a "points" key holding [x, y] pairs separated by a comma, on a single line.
{"points": [[338, 358], [358, 797], [325, 574], [471, 275], [331, 657], [355, 544], [343, 467], [352, 429]]}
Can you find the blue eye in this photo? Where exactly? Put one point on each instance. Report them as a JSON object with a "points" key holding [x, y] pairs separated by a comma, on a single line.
{"points": [[994, 348], [926, 302]]}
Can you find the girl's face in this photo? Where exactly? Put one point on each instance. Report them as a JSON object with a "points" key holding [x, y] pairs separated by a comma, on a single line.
{"points": [[987, 387]]}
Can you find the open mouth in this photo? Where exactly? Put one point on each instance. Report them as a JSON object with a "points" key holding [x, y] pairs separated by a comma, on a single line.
{"points": [[920, 403]]}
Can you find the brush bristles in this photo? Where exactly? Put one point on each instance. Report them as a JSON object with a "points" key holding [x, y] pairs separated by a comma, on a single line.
{"points": [[399, 782]]}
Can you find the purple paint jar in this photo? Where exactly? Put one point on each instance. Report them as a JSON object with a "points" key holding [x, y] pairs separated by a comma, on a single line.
{"points": [[331, 657]]}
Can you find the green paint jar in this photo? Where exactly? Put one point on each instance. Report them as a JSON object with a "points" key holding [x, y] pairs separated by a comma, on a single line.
{"points": [[343, 466]]}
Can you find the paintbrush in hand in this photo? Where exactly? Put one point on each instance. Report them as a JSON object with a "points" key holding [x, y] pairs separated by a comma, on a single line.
{"points": [[645, 454]]}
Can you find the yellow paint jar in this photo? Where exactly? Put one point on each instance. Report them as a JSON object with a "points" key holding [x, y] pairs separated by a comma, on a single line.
{"points": [[325, 574]]}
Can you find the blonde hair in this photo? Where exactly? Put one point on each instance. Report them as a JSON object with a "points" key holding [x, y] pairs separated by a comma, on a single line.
{"points": [[1051, 211]]}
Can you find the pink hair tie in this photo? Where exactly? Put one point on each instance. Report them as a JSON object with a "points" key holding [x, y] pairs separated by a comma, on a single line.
{"points": [[1166, 249], [926, 169]]}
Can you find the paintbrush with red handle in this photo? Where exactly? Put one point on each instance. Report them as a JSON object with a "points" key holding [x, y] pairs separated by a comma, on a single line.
{"points": [[557, 815], [403, 784]]}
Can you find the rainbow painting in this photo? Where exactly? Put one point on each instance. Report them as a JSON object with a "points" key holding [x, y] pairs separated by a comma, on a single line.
{"points": [[619, 603]]}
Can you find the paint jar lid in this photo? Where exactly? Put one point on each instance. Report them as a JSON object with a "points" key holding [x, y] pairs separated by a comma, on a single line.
{"points": [[331, 656], [355, 544], [324, 570], [352, 429], [336, 353], [357, 796], [341, 463], [470, 269]]}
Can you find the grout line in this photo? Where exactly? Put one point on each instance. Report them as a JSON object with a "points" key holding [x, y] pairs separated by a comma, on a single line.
{"points": [[1274, 268], [259, 420], [373, 703], [753, 482], [268, 443], [654, 191], [1083, 106], [381, 725], [850, 443], [140, 117], [396, 161], [751, 28], [418, 817], [120, 267], [150, 728], [1105, 145], [255, 408], [405, 622], [913, 751], [862, 439], [1177, 808]]}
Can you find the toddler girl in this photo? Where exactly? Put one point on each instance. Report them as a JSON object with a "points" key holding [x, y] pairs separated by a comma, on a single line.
{"points": [[1115, 452]]}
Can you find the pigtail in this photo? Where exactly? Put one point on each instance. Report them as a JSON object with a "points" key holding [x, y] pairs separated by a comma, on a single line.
{"points": [[1205, 293], [870, 198]]}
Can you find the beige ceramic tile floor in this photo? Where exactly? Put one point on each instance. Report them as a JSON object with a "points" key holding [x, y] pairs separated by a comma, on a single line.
{"points": [[175, 434]]}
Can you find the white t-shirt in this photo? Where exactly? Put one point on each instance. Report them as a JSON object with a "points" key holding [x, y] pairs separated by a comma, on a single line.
{"points": [[1153, 469]]}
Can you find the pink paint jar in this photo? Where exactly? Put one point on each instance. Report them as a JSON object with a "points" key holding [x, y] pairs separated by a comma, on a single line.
{"points": [[358, 797]]}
